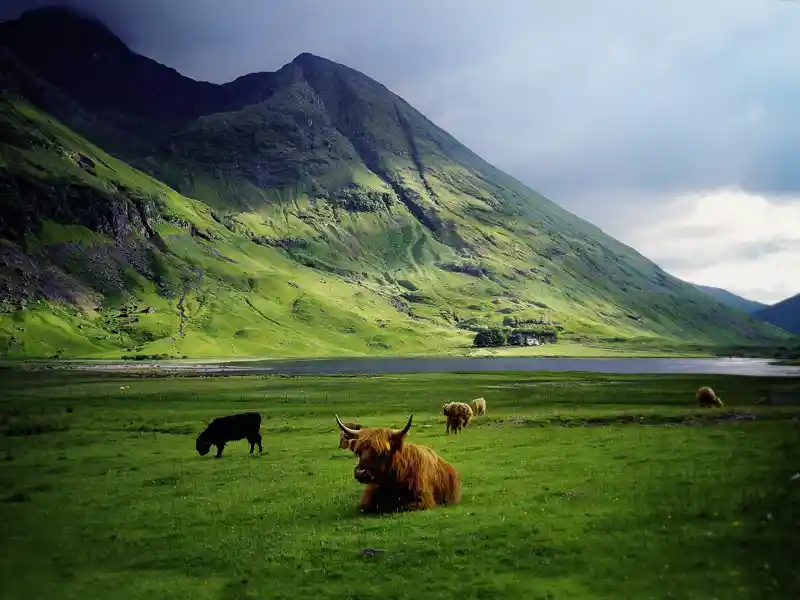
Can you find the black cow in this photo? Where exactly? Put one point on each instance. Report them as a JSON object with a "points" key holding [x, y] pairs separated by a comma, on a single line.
{"points": [[230, 429]]}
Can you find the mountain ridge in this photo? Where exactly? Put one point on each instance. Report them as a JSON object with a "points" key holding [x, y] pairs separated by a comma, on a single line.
{"points": [[326, 172], [733, 300], [784, 314]]}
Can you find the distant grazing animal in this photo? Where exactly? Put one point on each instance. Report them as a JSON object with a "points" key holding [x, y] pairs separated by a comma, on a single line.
{"points": [[478, 406], [400, 476], [345, 441], [706, 397], [458, 416], [230, 429]]}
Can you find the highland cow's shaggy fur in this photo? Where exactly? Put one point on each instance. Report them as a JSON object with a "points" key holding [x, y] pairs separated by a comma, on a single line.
{"points": [[707, 398], [400, 476], [458, 415], [346, 441], [478, 406], [229, 429]]}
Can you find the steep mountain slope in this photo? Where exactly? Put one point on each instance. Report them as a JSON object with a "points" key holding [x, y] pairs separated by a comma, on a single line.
{"points": [[729, 299], [98, 258], [315, 178], [785, 314]]}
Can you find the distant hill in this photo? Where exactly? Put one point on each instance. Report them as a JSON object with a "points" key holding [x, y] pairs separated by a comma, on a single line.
{"points": [[732, 300], [309, 211], [785, 314]]}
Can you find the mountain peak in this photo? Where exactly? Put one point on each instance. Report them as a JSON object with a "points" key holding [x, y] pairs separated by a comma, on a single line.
{"points": [[86, 60], [307, 60], [64, 22], [65, 28], [306, 57], [57, 12]]}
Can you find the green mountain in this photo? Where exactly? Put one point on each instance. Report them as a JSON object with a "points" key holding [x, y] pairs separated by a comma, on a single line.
{"points": [[785, 314], [309, 211], [729, 299]]}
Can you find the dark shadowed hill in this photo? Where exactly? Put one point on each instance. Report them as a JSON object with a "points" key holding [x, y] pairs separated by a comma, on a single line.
{"points": [[732, 300], [306, 211], [785, 314]]}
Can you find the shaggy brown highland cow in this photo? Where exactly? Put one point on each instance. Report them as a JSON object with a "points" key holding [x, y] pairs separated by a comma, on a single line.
{"points": [[345, 442], [478, 406], [458, 416], [400, 476], [707, 398]]}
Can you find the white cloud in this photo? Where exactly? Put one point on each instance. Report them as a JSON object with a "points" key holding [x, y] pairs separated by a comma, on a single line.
{"points": [[745, 243]]}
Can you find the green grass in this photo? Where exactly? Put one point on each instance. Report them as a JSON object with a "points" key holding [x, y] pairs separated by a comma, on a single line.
{"points": [[104, 495]]}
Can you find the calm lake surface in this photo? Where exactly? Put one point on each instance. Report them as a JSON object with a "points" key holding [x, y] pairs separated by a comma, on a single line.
{"points": [[706, 366]]}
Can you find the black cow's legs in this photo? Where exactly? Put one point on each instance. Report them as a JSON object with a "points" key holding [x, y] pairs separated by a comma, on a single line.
{"points": [[220, 447], [256, 439]]}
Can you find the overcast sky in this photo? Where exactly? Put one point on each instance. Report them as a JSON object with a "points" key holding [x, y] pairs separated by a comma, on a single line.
{"points": [[673, 124]]}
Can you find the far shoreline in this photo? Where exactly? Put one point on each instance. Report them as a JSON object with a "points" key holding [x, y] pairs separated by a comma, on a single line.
{"points": [[561, 350], [170, 364]]}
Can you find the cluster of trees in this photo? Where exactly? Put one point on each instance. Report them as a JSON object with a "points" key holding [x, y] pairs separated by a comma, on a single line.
{"points": [[515, 337]]}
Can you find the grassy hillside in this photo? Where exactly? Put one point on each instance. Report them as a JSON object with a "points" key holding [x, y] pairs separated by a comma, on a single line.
{"points": [[304, 212], [785, 314], [100, 259], [729, 299]]}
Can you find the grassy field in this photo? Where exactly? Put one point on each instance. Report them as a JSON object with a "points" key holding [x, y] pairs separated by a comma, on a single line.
{"points": [[575, 486]]}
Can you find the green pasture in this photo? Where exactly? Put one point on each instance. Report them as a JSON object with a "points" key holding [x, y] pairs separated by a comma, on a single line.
{"points": [[574, 486]]}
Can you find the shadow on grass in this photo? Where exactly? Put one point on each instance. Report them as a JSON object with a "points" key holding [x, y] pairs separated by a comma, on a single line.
{"points": [[695, 419]]}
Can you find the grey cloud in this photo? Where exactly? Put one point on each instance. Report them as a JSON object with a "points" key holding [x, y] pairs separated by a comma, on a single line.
{"points": [[580, 100], [756, 250], [739, 253]]}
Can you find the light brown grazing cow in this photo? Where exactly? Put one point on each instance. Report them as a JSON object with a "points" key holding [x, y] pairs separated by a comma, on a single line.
{"points": [[398, 475], [344, 441], [458, 415], [478, 406], [707, 398]]}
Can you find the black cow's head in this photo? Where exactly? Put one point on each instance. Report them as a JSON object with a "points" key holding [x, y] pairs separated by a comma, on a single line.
{"points": [[202, 445]]}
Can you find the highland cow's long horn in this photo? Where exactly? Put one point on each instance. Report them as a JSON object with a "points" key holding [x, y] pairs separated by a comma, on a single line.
{"points": [[345, 428], [407, 427]]}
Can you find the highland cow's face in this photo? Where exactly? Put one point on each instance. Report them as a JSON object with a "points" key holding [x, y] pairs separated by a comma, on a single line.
{"points": [[374, 460], [374, 448], [202, 446]]}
